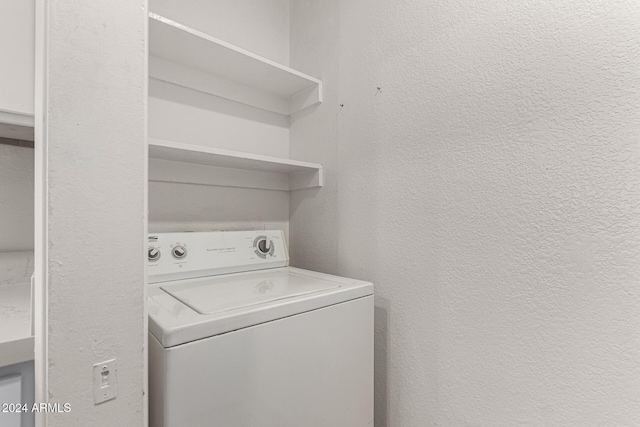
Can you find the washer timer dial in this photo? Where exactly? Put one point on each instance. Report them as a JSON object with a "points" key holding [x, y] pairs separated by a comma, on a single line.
{"points": [[153, 254], [179, 252]]}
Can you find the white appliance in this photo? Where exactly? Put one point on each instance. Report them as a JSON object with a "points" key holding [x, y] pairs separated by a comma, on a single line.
{"points": [[239, 339]]}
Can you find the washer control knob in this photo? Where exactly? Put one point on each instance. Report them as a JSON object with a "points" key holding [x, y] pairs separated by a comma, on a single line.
{"points": [[153, 254], [264, 246], [179, 252]]}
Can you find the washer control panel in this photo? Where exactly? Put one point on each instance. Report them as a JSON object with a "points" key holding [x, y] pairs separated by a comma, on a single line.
{"points": [[173, 256]]}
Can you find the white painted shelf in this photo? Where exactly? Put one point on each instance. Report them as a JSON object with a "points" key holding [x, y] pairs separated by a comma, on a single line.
{"points": [[194, 164], [189, 58], [16, 125]]}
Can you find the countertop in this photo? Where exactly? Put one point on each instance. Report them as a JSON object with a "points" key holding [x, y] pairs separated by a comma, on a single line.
{"points": [[16, 341]]}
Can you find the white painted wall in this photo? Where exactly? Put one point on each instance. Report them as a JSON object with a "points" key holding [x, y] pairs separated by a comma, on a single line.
{"points": [[184, 207], [16, 214], [192, 117], [491, 192], [258, 26], [16, 198], [184, 115], [16, 268], [91, 158]]}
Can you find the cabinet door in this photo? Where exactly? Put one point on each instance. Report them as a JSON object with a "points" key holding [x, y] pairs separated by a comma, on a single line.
{"points": [[17, 388], [17, 44], [10, 394]]}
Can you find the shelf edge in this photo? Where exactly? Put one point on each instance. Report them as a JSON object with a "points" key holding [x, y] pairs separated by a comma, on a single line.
{"points": [[162, 168], [164, 69], [230, 46], [154, 142], [16, 118]]}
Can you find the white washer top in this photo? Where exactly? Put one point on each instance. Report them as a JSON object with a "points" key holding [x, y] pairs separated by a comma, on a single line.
{"points": [[209, 283], [216, 294], [188, 310]]}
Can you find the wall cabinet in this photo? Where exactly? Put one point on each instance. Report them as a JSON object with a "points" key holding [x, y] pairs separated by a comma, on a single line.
{"points": [[17, 388], [17, 82], [17, 73]]}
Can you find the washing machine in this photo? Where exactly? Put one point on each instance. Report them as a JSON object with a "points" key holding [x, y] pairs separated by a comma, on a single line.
{"points": [[237, 338]]}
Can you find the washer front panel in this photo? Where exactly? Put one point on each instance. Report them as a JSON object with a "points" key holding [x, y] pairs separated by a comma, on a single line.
{"points": [[311, 369]]}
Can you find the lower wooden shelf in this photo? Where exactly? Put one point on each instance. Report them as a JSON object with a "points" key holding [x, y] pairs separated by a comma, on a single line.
{"points": [[193, 164]]}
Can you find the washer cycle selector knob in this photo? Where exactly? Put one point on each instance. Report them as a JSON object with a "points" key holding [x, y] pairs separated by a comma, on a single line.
{"points": [[264, 246], [179, 252], [153, 254]]}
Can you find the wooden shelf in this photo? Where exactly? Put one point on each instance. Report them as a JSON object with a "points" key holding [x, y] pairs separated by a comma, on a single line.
{"points": [[189, 58], [194, 164]]}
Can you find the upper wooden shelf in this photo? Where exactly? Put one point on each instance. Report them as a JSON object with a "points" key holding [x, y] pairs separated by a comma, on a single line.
{"points": [[190, 58], [193, 164]]}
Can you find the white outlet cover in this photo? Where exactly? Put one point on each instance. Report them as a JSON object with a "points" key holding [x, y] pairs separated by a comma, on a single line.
{"points": [[104, 381]]}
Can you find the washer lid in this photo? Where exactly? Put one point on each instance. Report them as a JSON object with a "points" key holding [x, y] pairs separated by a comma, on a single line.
{"points": [[213, 295], [172, 322]]}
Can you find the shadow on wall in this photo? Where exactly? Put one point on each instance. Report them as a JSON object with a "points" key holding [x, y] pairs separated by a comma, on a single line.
{"points": [[185, 207], [193, 98], [303, 195], [381, 362]]}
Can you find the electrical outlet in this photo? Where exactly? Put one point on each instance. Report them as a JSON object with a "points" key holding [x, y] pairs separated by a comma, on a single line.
{"points": [[104, 381]]}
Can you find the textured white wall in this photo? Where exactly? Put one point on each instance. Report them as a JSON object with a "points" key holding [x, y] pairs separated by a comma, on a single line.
{"points": [[179, 114], [94, 195], [491, 191], [16, 198]]}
